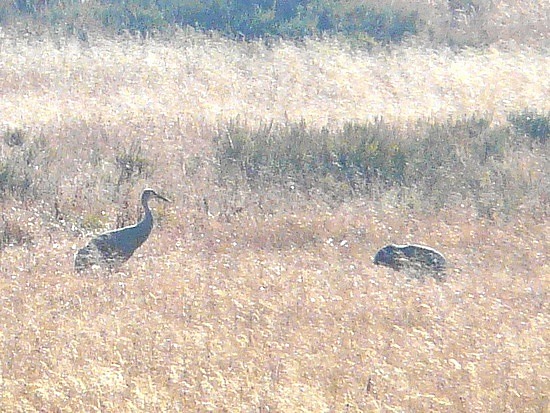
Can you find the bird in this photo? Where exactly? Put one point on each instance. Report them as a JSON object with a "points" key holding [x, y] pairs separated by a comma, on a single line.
{"points": [[113, 248], [412, 256]]}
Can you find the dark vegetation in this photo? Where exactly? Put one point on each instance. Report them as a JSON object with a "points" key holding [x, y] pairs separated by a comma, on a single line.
{"points": [[532, 124], [367, 21], [24, 165], [427, 165], [444, 164]]}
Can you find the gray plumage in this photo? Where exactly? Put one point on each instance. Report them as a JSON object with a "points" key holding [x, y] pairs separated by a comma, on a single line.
{"points": [[112, 248], [411, 256]]}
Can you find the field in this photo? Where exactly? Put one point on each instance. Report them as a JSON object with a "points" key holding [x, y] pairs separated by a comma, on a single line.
{"points": [[262, 298]]}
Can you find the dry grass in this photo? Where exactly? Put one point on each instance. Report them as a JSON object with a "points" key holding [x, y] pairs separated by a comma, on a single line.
{"points": [[227, 318], [196, 80], [271, 303]]}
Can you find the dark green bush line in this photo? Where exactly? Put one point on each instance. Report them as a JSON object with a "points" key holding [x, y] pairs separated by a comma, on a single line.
{"points": [[495, 168], [531, 123], [443, 163], [236, 18]]}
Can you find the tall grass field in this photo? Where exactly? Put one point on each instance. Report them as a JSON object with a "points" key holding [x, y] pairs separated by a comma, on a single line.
{"points": [[289, 164]]}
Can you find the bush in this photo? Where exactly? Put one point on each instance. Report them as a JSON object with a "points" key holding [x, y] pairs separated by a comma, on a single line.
{"points": [[532, 124], [137, 16], [24, 165], [235, 18], [356, 155], [382, 24], [443, 163], [131, 164]]}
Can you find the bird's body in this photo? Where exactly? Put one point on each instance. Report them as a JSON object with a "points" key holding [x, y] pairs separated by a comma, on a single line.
{"points": [[412, 256], [115, 247]]}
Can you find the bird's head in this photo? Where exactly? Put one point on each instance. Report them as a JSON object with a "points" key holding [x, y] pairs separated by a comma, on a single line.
{"points": [[150, 193]]}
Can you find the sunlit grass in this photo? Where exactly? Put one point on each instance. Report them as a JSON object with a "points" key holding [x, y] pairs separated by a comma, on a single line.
{"points": [[245, 300], [196, 80], [226, 321]]}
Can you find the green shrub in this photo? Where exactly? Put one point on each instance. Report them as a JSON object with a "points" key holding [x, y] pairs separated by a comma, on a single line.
{"points": [[25, 6], [24, 165], [15, 137], [443, 163], [4, 13], [235, 18], [382, 24], [453, 158], [135, 16], [131, 164], [531, 123], [355, 156]]}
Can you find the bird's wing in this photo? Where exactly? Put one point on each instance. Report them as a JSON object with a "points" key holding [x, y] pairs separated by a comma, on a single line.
{"points": [[109, 248]]}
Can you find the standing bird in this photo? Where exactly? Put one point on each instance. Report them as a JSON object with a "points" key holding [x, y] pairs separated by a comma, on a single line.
{"points": [[411, 256], [112, 248]]}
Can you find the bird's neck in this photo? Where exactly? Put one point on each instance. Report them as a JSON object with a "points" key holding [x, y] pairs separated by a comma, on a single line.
{"points": [[147, 220]]}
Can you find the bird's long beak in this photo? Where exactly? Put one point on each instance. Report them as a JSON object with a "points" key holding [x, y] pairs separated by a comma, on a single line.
{"points": [[163, 198]]}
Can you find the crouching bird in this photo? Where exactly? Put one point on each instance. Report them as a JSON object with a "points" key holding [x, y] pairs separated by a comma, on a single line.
{"points": [[418, 258], [113, 248]]}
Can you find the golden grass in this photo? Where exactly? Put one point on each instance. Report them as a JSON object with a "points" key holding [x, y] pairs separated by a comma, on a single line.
{"points": [[226, 322], [276, 307], [197, 80]]}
